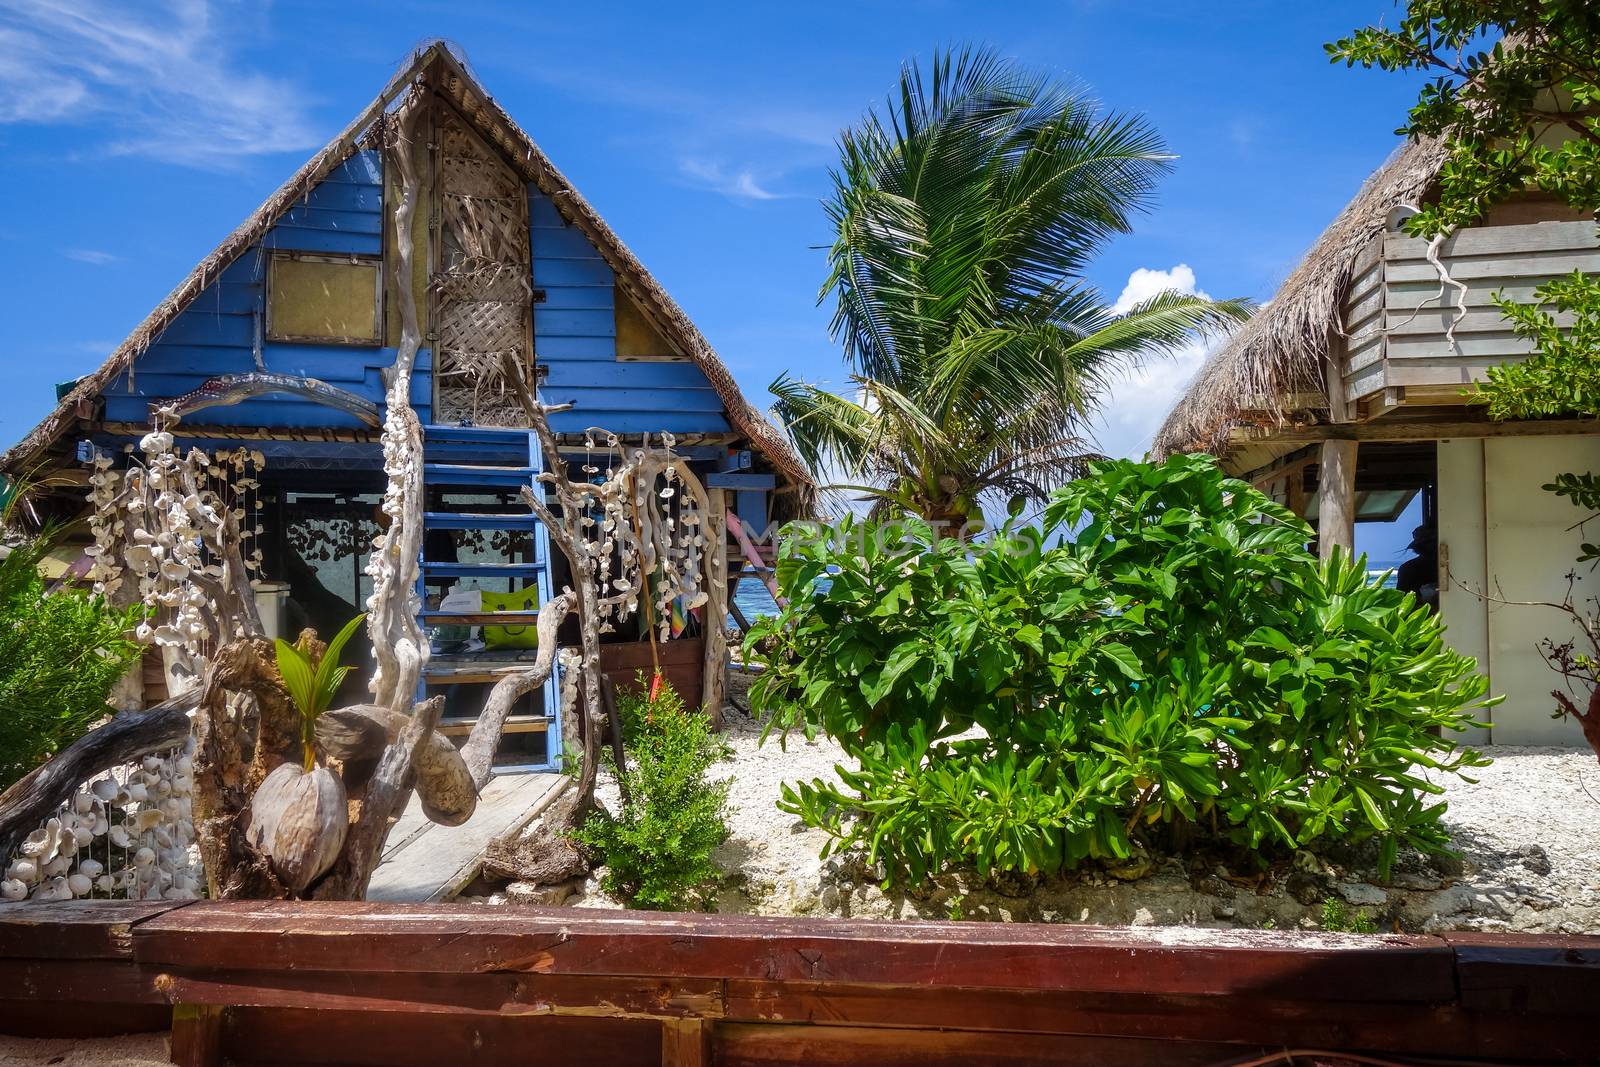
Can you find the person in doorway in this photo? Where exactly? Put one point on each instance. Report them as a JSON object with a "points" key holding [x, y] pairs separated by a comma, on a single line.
{"points": [[1420, 573]]}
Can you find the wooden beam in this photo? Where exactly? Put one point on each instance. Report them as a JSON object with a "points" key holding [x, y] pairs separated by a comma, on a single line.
{"points": [[197, 1035], [1419, 430], [685, 1043], [1336, 497], [714, 683]]}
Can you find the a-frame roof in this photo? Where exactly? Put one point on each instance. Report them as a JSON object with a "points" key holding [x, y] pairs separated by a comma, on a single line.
{"points": [[447, 74]]}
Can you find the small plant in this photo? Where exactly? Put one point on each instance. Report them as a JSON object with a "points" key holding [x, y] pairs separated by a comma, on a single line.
{"points": [[958, 907], [60, 654], [1336, 918], [312, 686], [657, 847]]}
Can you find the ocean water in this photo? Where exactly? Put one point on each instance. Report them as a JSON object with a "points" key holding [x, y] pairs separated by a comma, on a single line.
{"points": [[754, 600]]}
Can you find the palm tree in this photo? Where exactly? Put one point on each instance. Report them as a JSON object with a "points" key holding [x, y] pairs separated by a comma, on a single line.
{"points": [[965, 218]]}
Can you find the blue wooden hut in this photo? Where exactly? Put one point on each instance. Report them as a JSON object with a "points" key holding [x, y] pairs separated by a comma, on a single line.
{"points": [[279, 341]]}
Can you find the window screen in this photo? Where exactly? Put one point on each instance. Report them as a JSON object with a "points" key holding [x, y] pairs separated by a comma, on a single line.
{"points": [[323, 298]]}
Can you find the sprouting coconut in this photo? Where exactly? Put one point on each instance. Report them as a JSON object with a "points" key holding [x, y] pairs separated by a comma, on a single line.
{"points": [[297, 819]]}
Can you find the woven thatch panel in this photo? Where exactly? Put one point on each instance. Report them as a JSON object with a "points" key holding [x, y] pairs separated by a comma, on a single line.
{"points": [[481, 291]]}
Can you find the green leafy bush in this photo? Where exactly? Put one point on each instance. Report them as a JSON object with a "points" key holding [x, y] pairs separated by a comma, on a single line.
{"points": [[1180, 668], [60, 654], [658, 847]]}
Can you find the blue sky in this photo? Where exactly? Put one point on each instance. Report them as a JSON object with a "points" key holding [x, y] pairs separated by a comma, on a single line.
{"points": [[137, 136]]}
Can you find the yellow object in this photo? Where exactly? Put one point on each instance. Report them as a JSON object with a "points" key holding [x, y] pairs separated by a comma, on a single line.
{"points": [[525, 636], [323, 298]]}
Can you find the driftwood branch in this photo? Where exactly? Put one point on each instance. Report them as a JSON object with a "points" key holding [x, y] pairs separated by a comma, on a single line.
{"points": [[382, 803], [478, 752], [125, 738], [397, 639]]}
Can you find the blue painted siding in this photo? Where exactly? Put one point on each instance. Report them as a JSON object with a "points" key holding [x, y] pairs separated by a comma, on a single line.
{"points": [[216, 333], [574, 335]]}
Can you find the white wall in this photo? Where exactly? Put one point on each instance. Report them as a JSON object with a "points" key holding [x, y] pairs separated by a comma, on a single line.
{"points": [[1505, 535], [1462, 555]]}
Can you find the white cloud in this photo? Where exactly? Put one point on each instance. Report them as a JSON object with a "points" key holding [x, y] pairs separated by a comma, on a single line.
{"points": [[165, 83], [1141, 397], [736, 184], [93, 256], [1144, 283]]}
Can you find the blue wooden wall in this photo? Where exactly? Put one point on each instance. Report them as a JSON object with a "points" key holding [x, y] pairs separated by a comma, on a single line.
{"points": [[575, 336], [574, 331], [216, 334]]}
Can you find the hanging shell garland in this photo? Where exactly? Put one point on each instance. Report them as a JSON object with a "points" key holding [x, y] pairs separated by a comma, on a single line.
{"points": [[151, 521], [643, 529], [104, 842]]}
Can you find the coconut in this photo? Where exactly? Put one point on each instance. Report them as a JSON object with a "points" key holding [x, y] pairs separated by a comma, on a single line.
{"points": [[298, 819]]}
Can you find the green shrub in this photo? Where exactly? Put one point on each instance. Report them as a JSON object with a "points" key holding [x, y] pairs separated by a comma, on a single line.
{"points": [[657, 848], [1179, 668], [60, 654]]}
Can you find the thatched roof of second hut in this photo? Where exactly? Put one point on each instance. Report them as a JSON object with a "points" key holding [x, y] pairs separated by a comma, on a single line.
{"points": [[1279, 356]]}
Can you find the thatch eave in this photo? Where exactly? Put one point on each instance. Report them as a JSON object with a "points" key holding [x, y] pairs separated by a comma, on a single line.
{"points": [[1280, 355]]}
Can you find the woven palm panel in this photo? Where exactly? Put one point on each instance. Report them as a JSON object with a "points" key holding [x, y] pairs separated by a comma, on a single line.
{"points": [[483, 287]]}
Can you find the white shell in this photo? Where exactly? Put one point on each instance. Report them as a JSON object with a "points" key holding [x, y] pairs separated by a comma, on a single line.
{"points": [[23, 870], [105, 789], [83, 803], [144, 857], [91, 867], [80, 884], [13, 889], [119, 837]]}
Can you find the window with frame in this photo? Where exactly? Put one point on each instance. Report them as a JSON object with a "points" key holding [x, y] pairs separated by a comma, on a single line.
{"points": [[325, 299]]}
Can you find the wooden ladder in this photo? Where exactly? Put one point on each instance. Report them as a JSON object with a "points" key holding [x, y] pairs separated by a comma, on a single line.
{"points": [[474, 460]]}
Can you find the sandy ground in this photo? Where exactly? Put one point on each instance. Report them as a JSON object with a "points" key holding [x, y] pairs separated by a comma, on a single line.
{"points": [[1528, 831], [132, 1050]]}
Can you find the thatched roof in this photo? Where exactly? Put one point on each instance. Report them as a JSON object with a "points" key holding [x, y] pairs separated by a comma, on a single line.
{"points": [[1265, 369], [446, 73]]}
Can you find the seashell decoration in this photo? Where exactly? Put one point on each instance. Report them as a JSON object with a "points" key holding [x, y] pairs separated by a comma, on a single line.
{"points": [[150, 522], [105, 843], [644, 528]]}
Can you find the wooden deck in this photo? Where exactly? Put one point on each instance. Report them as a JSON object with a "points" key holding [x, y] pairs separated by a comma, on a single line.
{"points": [[251, 983], [426, 862]]}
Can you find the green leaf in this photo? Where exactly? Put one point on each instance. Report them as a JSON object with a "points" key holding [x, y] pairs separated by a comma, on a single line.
{"points": [[1124, 659], [295, 670]]}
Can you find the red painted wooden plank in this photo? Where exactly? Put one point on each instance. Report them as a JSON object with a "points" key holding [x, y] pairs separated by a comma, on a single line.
{"points": [[482, 994], [81, 1019], [1407, 1027], [376, 937], [1537, 973], [391, 1039], [757, 1045], [78, 929]]}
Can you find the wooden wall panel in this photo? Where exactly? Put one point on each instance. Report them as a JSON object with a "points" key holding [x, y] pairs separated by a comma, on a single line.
{"points": [[218, 333], [575, 340]]}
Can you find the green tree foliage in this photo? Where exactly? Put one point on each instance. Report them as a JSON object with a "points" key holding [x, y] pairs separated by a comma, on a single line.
{"points": [[60, 654], [1516, 97], [965, 216], [657, 847], [1180, 668]]}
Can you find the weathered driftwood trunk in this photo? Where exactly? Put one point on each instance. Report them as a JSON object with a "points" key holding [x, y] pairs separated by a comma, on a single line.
{"points": [[319, 827]]}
